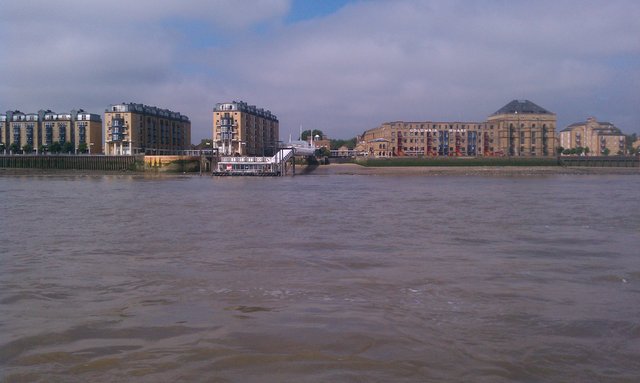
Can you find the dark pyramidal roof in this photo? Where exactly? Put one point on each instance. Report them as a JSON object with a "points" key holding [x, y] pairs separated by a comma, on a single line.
{"points": [[521, 106]]}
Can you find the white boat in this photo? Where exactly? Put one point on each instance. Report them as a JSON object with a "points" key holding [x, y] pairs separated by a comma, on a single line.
{"points": [[301, 148]]}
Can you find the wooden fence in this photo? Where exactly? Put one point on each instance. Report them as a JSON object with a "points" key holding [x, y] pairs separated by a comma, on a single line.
{"points": [[76, 162]]}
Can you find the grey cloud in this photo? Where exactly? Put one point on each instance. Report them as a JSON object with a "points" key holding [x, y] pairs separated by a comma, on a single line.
{"points": [[367, 63], [434, 60]]}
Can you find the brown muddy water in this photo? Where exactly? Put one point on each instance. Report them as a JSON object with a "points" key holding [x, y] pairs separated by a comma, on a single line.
{"points": [[344, 278]]}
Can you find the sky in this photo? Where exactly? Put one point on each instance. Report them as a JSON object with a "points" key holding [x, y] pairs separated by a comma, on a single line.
{"points": [[341, 66]]}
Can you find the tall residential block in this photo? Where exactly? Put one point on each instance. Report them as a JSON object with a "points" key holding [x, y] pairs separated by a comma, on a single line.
{"points": [[242, 129], [137, 129], [40, 130]]}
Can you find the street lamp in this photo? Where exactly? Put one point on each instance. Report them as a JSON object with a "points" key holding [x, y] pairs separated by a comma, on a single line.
{"points": [[517, 130]]}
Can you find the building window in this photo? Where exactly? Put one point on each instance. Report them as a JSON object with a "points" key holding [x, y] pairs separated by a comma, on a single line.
{"points": [[82, 133], [62, 133], [16, 134], [48, 134], [30, 134]]}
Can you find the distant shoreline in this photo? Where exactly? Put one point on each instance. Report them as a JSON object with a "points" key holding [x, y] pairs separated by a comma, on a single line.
{"points": [[356, 169]]}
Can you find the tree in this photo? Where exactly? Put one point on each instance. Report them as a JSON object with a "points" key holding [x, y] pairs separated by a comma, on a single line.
{"points": [[566, 151], [55, 147], [205, 143], [27, 148], [579, 150], [350, 143], [43, 149], [586, 150], [14, 148], [68, 147], [305, 135], [323, 152], [606, 151], [2, 147], [82, 147], [559, 150]]}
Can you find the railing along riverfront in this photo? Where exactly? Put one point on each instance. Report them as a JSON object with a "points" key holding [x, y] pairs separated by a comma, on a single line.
{"points": [[71, 162], [601, 161]]}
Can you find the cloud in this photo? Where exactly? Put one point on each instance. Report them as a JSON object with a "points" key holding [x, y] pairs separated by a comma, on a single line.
{"points": [[374, 61], [344, 72], [229, 14]]}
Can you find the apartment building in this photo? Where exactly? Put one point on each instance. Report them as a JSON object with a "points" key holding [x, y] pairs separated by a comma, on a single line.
{"points": [[243, 129], [38, 131], [602, 138], [520, 128], [132, 128]]}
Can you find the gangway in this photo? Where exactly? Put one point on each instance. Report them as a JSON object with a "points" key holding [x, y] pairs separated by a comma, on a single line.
{"points": [[256, 166]]}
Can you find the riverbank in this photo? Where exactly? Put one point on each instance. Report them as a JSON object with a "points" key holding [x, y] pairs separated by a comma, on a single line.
{"points": [[11, 172], [355, 169]]}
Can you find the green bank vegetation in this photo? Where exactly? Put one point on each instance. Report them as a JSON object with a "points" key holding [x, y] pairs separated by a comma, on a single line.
{"points": [[471, 161]]}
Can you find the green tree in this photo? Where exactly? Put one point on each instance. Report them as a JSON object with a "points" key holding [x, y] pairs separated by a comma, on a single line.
{"points": [[205, 143], [606, 151], [323, 152], [579, 150], [559, 150], [83, 148], [68, 147], [586, 150], [350, 143], [55, 147], [305, 135], [2, 147], [14, 148], [43, 149], [26, 148], [566, 151]]}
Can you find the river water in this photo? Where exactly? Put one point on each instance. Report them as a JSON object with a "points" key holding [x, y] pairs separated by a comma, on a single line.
{"points": [[315, 278]]}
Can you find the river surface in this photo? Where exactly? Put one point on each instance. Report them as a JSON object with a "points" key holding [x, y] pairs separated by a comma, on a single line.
{"points": [[334, 278]]}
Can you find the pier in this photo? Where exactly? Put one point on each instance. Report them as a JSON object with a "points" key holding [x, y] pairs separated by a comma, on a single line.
{"points": [[278, 165]]}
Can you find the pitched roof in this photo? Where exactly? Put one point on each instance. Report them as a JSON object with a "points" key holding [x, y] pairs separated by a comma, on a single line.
{"points": [[602, 126], [521, 106]]}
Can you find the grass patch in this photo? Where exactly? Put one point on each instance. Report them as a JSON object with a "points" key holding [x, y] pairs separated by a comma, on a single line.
{"points": [[464, 161]]}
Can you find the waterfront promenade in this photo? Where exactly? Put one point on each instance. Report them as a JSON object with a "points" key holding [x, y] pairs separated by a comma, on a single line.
{"points": [[56, 165]]}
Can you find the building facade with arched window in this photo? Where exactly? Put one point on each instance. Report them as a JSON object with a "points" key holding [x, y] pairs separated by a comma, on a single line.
{"points": [[38, 131], [520, 128]]}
